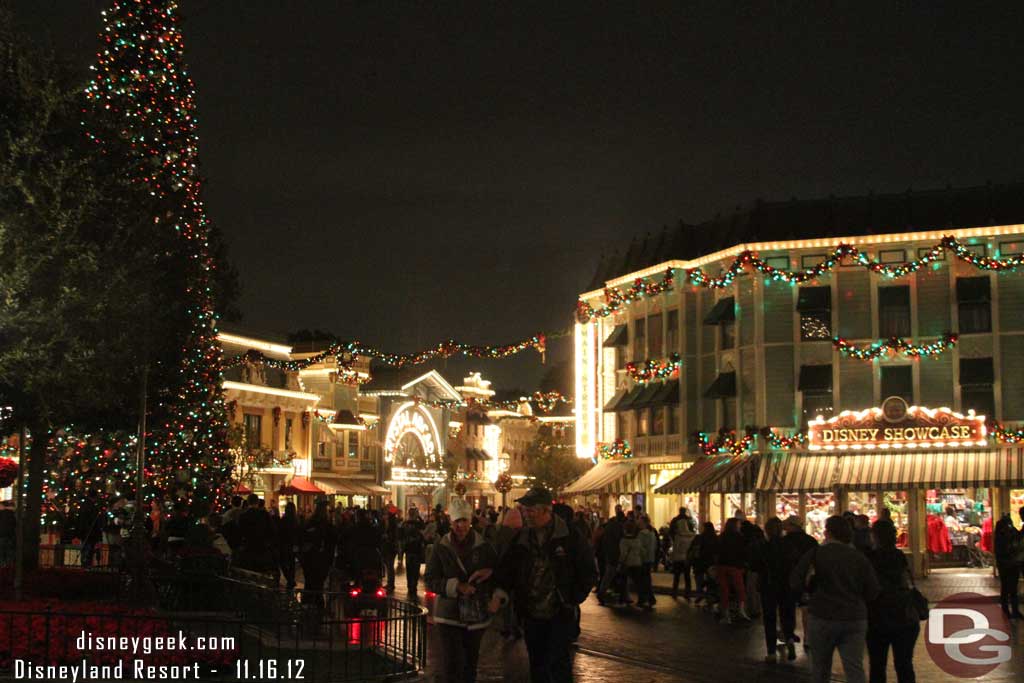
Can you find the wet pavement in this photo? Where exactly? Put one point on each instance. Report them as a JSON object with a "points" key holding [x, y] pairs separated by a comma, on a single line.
{"points": [[678, 641]]}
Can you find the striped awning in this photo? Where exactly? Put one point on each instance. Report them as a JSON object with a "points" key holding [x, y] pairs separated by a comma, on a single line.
{"points": [[607, 476], [795, 472], [953, 469], [716, 474]]}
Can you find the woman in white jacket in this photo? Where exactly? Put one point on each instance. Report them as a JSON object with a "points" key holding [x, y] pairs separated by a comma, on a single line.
{"points": [[684, 530]]}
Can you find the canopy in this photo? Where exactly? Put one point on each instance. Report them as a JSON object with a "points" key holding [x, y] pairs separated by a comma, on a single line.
{"points": [[618, 337], [299, 485], [953, 469], [793, 472], [351, 487], [607, 476], [716, 474], [723, 311]]}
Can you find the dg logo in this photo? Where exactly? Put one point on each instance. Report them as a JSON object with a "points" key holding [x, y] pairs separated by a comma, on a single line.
{"points": [[968, 635]]}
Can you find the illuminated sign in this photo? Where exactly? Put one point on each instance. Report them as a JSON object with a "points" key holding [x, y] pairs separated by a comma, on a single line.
{"points": [[411, 418], [896, 425]]}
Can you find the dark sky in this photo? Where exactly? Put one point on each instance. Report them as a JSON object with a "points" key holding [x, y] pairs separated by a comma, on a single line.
{"points": [[406, 172]]}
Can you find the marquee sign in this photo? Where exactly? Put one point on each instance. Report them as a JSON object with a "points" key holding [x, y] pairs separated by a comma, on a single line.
{"points": [[412, 418], [896, 425]]}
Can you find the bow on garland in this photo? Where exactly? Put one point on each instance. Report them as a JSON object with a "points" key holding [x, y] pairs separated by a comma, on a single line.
{"points": [[895, 345], [654, 369], [615, 299]]}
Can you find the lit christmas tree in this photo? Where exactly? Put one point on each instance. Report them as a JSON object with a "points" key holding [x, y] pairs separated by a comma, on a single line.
{"points": [[142, 88]]}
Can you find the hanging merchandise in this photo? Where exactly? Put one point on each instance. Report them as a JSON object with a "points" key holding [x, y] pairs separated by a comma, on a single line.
{"points": [[654, 369], [893, 346]]}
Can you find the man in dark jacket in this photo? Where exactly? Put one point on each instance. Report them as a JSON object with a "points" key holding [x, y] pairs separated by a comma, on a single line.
{"points": [[793, 546], [549, 568], [256, 534], [415, 548], [844, 583], [610, 539], [89, 527]]}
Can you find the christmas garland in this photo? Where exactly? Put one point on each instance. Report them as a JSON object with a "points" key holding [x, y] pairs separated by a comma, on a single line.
{"points": [[546, 402], [340, 350], [895, 345], [748, 259], [654, 369], [616, 450], [1004, 435]]}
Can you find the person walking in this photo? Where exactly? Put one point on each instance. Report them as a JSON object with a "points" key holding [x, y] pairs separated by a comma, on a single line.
{"points": [[459, 572], [631, 558], [682, 532], [794, 545], [892, 621], [702, 555], [317, 548], [389, 548], [1009, 553], [843, 583], [730, 565], [414, 546], [773, 585], [649, 540], [256, 534], [610, 538], [288, 544], [549, 570]]}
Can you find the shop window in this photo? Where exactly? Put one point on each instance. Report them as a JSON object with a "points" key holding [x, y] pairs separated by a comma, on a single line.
{"points": [[288, 424], [654, 336], [814, 304], [672, 332], [657, 421], [639, 338], [974, 304], [815, 404], [898, 380], [894, 311], [642, 422], [253, 430]]}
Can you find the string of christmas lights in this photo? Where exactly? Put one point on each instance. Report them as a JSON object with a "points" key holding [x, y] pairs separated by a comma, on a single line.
{"points": [[615, 299], [652, 369], [895, 345], [546, 402], [1004, 435], [141, 82], [616, 450]]}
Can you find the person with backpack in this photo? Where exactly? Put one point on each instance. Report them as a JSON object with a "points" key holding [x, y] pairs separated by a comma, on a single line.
{"points": [[414, 546], [682, 532], [843, 582], [892, 620]]}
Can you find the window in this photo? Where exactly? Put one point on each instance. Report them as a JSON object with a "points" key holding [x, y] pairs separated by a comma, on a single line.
{"points": [[973, 298], [729, 413], [894, 311], [658, 421], [898, 380], [353, 444], [288, 433], [643, 417], [654, 335], [620, 357], [728, 335], [814, 304], [816, 404], [321, 450], [253, 430], [639, 338], [672, 333], [977, 375]]}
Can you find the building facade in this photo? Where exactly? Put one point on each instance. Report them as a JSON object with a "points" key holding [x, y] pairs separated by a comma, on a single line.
{"points": [[755, 327]]}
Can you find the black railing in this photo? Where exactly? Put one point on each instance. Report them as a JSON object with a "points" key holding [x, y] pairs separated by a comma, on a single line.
{"points": [[384, 647]]}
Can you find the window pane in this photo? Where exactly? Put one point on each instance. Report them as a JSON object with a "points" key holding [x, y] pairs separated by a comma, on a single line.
{"points": [[353, 444], [654, 336], [816, 325], [672, 332], [979, 398], [288, 433], [898, 380], [642, 424], [894, 311], [975, 317]]}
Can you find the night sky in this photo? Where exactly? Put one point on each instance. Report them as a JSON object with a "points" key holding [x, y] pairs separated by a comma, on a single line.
{"points": [[407, 172]]}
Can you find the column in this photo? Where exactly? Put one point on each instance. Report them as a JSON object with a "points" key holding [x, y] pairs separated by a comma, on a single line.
{"points": [[918, 532]]}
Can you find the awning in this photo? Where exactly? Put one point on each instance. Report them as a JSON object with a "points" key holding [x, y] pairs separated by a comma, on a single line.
{"points": [[724, 311], [815, 379], [953, 469], [627, 401], [716, 474], [612, 405], [618, 337], [345, 417], [299, 485], [350, 487], [476, 454], [814, 299], [645, 399], [973, 290], [607, 476], [794, 473], [975, 371], [724, 386], [242, 490], [668, 394]]}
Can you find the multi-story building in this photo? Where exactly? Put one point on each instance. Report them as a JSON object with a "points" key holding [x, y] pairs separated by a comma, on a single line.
{"points": [[778, 315]]}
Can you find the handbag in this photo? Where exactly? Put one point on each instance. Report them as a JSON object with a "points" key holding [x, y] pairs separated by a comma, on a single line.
{"points": [[918, 603]]}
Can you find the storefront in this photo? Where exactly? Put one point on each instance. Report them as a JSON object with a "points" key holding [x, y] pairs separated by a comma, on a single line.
{"points": [[723, 485], [799, 484], [302, 492], [607, 484]]}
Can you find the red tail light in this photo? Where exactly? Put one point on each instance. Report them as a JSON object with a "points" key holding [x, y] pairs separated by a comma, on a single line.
{"points": [[355, 592], [381, 593], [430, 594]]}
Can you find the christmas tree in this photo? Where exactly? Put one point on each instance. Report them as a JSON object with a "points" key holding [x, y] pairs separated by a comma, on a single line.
{"points": [[142, 90]]}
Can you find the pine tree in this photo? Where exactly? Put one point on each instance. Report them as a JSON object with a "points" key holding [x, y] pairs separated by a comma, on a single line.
{"points": [[141, 84]]}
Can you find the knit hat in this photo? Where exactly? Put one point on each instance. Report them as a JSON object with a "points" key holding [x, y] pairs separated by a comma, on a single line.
{"points": [[458, 508]]}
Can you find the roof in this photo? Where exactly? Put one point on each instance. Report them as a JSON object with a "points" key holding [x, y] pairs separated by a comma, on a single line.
{"points": [[768, 221]]}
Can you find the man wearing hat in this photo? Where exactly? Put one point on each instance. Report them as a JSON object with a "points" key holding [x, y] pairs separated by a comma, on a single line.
{"points": [[549, 569], [459, 573]]}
